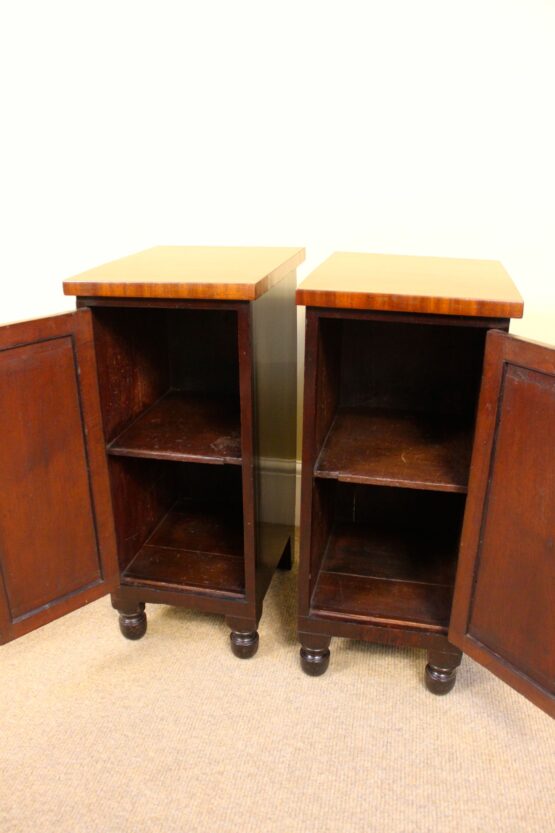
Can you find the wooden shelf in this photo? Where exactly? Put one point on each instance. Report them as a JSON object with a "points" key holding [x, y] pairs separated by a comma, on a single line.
{"points": [[387, 575], [188, 427], [397, 448], [198, 546]]}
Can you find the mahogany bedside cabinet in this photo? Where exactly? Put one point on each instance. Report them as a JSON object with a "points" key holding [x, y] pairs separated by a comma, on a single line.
{"points": [[132, 433], [428, 471]]}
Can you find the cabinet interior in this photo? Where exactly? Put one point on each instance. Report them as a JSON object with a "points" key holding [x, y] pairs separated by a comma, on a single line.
{"points": [[387, 553], [169, 392], [393, 436]]}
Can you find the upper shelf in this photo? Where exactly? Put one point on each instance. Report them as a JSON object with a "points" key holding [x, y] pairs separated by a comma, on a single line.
{"points": [[398, 283], [188, 427], [228, 273], [397, 448]]}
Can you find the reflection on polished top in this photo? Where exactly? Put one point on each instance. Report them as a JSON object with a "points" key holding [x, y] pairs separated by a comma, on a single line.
{"points": [[399, 283], [230, 273]]}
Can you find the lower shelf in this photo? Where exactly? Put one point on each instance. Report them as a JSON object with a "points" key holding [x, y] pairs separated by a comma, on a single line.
{"points": [[198, 546], [387, 575]]}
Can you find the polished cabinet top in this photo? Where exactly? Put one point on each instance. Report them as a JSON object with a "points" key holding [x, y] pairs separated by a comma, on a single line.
{"points": [[399, 283], [230, 273]]}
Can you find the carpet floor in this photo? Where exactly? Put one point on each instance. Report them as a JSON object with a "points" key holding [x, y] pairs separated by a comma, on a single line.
{"points": [[173, 733]]}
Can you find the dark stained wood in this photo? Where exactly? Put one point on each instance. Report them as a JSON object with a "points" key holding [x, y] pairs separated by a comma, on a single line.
{"points": [[189, 427], [382, 600], [387, 573], [186, 570], [390, 400], [321, 392], [132, 358], [248, 453], [390, 552], [205, 400], [197, 545], [423, 367], [202, 526], [244, 644], [504, 605], [315, 654], [181, 361], [398, 635], [441, 670], [57, 546], [132, 617], [203, 345], [397, 448], [447, 286], [143, 491]]}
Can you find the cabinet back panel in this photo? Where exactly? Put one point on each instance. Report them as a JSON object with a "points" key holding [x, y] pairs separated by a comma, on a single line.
{"points": [[416, 367], [407, 509], [48, 539], [203, 350]]}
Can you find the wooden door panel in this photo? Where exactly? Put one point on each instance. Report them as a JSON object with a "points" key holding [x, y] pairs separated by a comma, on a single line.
{"points": [[504, 604], [57, 548]]}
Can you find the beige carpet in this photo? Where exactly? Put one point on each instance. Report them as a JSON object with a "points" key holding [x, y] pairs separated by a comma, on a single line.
{"points": [[173, 733]]}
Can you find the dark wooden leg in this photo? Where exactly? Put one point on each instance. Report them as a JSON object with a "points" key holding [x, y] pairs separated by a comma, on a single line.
{"points": [[132, 617], [441, 670], [243, 636], [315, 653], [286, 560]]}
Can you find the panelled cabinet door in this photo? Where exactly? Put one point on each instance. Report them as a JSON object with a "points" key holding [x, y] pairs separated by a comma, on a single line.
{"points": [[57, 544], [504, 604]]}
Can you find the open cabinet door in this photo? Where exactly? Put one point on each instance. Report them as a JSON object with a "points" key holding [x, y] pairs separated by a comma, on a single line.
{"points": [[57, 544], [504, 604]]}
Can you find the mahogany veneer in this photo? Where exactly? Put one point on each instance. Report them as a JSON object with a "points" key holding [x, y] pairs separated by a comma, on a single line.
{"points": [[428, 488], [135, 429], [447, 286], [230, 273]]}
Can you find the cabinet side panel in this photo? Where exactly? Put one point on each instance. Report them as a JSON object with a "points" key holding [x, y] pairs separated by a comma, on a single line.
{"points": [[274, 323], [132, 360]]}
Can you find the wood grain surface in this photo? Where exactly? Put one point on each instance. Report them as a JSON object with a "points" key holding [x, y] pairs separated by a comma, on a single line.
{"points": [[445, 286], [504, 603], [200, 272]]}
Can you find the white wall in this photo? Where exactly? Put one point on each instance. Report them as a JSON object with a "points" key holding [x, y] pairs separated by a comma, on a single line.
{"points": [[392, 126]]}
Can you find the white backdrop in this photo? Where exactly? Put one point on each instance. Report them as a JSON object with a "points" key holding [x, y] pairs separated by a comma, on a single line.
{"points": [[401, 126]]}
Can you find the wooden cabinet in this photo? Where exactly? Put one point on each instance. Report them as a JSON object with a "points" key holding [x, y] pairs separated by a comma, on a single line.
{"points": [[428, 474], [133, 433]]}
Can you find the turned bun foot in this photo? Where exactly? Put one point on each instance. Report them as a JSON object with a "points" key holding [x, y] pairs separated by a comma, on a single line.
{"points": [[315, 661], [440, 680], [133, 625], [244, 645]]}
